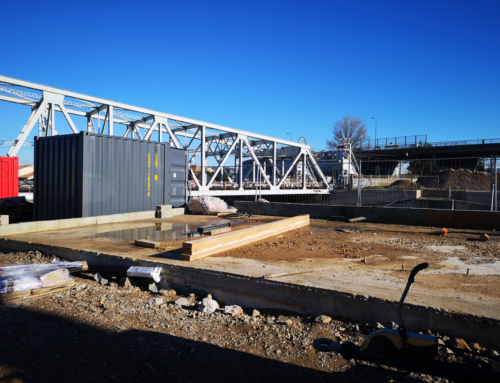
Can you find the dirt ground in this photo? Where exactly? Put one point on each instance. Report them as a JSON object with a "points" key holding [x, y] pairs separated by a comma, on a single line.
{"points": [[105, 333], [390, 248]]}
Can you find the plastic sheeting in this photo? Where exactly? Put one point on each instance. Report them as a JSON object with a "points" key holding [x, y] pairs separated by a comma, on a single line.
{"points": [[207, 205], [145, 272], [26, 277]]}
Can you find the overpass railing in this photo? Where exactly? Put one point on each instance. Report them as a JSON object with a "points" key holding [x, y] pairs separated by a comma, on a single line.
{"points": [[413, 142]]}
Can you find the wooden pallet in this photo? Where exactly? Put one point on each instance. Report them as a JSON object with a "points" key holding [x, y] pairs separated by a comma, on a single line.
{"points": [[17, 296]]}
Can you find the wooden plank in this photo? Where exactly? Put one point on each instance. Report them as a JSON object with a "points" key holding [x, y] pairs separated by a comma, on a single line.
{"points": [[267, 276], [357, 219], [219, 231], [193, 250], [148, 244], [17, 296]]}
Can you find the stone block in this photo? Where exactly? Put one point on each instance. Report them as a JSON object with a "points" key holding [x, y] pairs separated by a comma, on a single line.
{"points": [[178, 211], [11, 229], [163, 207], [117, 218], [141, 215], [68, 223], [163, 214], [87, 221], [47, 225], [27, 227], [103, 219], [4, 220]]}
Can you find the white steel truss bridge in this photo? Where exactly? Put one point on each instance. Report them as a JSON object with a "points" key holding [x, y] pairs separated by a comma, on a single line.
{"points": [[231, 161]]}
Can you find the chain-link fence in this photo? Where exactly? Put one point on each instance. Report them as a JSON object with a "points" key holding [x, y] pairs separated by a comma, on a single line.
{"points": [[444, 183]]}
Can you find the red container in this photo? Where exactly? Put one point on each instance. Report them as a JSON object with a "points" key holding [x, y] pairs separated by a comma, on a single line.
{"points": [[9, 177]]}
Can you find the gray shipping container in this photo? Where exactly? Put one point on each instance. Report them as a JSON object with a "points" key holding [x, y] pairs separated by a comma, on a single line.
{"points": [[86, 175]]}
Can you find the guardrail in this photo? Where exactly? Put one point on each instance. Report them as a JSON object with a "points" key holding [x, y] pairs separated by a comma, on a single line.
{"points": [[390, 145]]}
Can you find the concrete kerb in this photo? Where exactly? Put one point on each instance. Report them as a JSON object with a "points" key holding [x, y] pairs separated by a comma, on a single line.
{"points": [[467, 219], [250, 292], [38, 226]]}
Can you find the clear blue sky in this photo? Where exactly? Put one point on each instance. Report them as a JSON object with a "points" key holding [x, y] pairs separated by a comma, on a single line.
{"points": [[271, 67]]}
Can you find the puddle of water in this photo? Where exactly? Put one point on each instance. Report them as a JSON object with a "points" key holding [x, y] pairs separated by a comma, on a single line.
{"points": [[457, 266], [162, 232], [446, 249]]}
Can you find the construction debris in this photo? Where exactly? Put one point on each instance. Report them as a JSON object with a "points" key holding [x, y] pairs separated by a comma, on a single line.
{"points": [[344, 231], [145, 272], [357, 219], [484, 237], [286, 274], [207, 205], [323, 319], [148, 244], [208, 305], [233, 310], [25, 280]]}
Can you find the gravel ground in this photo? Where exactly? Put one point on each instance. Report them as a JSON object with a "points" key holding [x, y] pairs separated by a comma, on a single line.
{"points": [[101, 333]]}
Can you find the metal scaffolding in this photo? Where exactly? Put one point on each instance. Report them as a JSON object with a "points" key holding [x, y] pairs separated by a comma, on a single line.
{"points": [[240, 162]]}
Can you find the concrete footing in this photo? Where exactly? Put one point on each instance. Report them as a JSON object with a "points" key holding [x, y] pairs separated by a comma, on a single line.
{"points": [[467, 219], [32, 227], [167, 211], [4, 220], [251, 292]]}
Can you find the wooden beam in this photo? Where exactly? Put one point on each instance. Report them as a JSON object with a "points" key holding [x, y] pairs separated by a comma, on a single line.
{"points": [[148, 244], [277, 275], [219, 231], [357, 219], [193, 250]]}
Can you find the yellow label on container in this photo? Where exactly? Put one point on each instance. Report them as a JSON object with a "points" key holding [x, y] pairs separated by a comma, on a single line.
{"points": [[156, 177], [156, 162], [149, 174]]}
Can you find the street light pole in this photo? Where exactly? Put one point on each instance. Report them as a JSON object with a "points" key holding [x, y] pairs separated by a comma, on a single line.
{"points": [[291, 137], [373, 118]]}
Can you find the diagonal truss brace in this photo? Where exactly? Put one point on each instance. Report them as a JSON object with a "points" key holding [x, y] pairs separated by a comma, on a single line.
{"points": [[48, 100]]}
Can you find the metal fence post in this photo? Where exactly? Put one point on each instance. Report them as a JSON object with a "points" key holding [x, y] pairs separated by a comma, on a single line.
{"points": [[496, 185], [359, 184], [492, 185]]}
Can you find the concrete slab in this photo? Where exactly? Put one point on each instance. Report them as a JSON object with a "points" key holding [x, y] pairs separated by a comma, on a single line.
{"points": [[346, 294]]}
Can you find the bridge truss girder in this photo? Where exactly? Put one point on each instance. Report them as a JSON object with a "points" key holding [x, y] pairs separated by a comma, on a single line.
{"points": [[200, 139]]}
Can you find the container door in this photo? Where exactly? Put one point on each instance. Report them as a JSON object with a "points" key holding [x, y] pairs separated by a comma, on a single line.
{"points": [[9, 181], [175, 177]]}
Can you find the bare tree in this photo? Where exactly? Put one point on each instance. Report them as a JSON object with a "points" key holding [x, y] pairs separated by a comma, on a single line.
{"points": [[349, 127]]}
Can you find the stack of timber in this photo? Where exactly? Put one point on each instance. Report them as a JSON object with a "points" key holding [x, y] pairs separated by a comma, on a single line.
{"points": [[193, 250], [22, 281]]}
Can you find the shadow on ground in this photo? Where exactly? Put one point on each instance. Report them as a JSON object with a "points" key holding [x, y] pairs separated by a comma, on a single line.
{"points": [[39, 347]]}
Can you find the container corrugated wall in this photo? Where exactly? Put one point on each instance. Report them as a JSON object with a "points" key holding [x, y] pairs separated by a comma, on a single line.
{"points": [[86, 175], [9, 177]]}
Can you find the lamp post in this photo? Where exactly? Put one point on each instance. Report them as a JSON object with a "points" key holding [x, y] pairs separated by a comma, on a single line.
{"points": [[291, 137], [373, 118]]}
